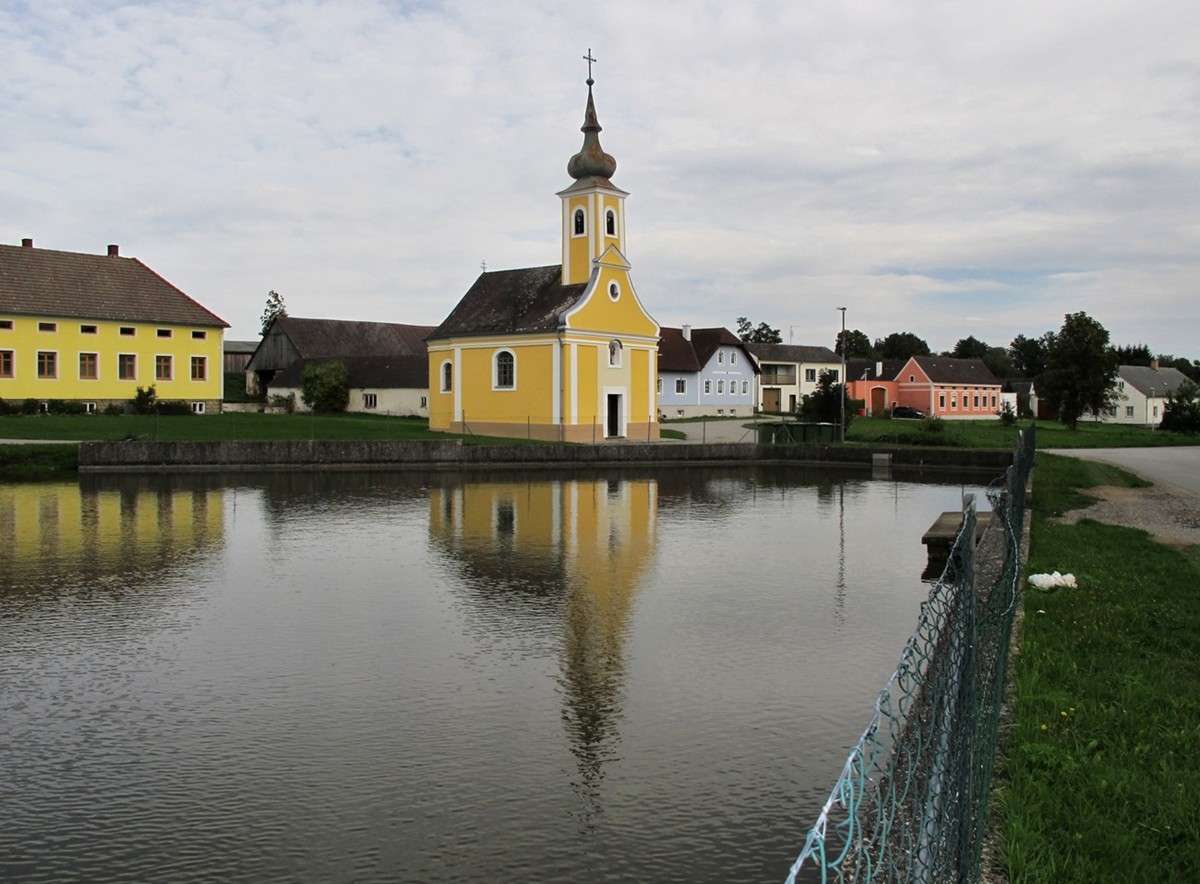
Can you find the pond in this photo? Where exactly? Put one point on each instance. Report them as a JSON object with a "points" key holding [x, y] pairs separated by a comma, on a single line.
{"points": [[633, 676]]}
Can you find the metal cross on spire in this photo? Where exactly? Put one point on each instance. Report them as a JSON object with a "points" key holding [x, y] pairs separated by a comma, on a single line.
{"points": [[588, 58]]}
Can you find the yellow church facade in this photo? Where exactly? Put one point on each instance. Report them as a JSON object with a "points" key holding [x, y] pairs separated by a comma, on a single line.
{"points": [[563, 352]]}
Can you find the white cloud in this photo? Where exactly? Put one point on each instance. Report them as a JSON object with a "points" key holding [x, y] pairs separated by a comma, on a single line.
{"points": [[946, 169]]}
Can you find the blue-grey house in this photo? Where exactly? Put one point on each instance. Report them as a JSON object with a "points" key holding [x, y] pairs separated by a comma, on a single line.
{"points": [[704, 371]]}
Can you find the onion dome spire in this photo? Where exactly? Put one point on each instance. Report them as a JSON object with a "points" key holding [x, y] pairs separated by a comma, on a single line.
{"points": [[591, 161]]}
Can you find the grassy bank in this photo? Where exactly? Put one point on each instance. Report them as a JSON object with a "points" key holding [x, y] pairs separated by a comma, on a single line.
{"points": [[1100, 777], [993, 434], [231, 426], [25, 462]]}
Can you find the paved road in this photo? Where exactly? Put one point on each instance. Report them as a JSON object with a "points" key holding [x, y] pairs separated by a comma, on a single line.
{"points": [[1178, 468]]}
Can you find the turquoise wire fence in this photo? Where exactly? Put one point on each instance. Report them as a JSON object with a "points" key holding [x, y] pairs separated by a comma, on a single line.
{"points": [[910, 804]]}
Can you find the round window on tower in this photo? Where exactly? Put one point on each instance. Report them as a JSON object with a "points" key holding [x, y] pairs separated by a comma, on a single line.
{"points": [[614, 290]]}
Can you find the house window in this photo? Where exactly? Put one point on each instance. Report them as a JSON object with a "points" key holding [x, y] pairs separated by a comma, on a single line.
{"points": [[89, 366], [89, 408], [614, 291], [199, 368], [993, 400], [199, 335], [610, 223], [370, 400], [88, 330], [976, 401], [810, 375], [941, 401], [720, 411], [658, 387], [164, 333], [720, 387], [708, 388], [197, 408], [47, 364], [128, 331], [720, 357], [162, 368], [424, 402], [614, 353], [48, 326], [745, 388], [1156, 411], [912, 378], [447, 377], [954, 402], [6, 363], [127, 366], [680, 386], [580, 226], [5, 325], [1128, 411], [506, 371], [732, 358], [833, 375], [679, 412]]}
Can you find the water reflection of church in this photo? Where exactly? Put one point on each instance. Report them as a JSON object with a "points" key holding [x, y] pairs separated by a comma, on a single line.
{"points": [[573, 550]]}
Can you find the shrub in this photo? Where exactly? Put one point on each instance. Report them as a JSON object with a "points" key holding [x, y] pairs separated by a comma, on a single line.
{"points": [[113, 409], [143, 401], [30, 406], [1007, 417], [1181, 414], [174, 407], [326, 386], [287, 403]]}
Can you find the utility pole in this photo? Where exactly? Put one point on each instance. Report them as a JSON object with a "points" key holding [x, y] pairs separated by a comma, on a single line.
{"points": [[842, 378]]}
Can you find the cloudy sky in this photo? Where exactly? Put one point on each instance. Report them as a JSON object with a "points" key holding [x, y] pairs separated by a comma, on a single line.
{"points": [[945, 168]]}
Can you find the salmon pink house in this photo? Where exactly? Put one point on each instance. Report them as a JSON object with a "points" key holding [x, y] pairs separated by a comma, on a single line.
{"points": [[937, 385]]}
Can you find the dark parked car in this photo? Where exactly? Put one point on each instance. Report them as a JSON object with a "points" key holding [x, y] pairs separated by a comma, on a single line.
{"points": [[905, 411]]}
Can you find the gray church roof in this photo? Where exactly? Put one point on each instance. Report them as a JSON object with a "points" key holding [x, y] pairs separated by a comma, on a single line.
{"points": [[531, 299]]}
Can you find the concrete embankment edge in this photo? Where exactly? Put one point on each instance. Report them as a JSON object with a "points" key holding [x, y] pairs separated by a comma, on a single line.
{"points": [[143, 456]]}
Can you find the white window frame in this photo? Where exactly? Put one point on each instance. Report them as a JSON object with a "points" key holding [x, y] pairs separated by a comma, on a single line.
{"points": [[576, 230], [610, 223], [496, 385], [201, 361], [721, 387], [680, 386], [707, 386], [170, 376], [446, 376], [53, 376]]}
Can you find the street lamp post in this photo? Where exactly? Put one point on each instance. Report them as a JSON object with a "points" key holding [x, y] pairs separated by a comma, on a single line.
{"points": [[842, 434]]}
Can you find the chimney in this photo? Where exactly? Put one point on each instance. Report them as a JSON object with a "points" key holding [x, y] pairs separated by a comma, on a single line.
{"points": [[27, 243], [1154, 364], [114, 250], [687, 332]]}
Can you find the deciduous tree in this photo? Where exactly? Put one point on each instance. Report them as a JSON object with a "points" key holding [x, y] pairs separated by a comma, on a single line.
{"points": [[969, 347], [901, 345], [762, 334], [1081, 370], [275, 307], [857, 344], [325, 386], [1028, 355]]}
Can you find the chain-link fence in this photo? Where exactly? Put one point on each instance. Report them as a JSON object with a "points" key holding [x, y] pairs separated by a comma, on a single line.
{"points": [[911, 802]]}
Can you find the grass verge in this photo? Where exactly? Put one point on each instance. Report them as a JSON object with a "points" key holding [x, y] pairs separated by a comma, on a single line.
{"points": [[25, 462], [1100, 778], [993, 434]]}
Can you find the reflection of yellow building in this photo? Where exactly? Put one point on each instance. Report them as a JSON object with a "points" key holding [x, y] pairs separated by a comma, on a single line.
{"points": [[586, 543], [64, 528]]}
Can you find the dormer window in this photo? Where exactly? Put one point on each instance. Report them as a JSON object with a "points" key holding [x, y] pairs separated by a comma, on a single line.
{"points": [[610, 222], [579, 223]]}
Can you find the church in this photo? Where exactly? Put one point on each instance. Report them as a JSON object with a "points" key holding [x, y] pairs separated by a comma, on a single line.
{"points": [[564, 352]]}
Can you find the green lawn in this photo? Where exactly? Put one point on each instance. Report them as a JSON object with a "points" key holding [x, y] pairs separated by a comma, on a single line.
{"points": [[993, 434], [231, 425], [1100, 779]]}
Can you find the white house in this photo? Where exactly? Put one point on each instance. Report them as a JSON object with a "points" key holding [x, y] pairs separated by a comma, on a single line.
{"points": [[790, 372], [1142, 392]]}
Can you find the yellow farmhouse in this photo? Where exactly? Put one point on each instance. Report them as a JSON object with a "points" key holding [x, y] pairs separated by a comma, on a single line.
{"points": [[564, 352], [91, 329]]}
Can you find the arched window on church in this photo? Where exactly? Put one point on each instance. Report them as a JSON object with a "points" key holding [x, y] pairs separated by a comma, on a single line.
{"points": [[610, 222], [447, 377], [506, 371], [579, 222], [614, 353]]}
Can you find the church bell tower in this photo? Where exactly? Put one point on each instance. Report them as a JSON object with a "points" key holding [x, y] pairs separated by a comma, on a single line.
{"points": [[593, 208]]}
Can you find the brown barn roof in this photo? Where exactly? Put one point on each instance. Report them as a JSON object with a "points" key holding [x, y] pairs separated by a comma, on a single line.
{"points": [[345, 337], [510, 302], [44, 282]]}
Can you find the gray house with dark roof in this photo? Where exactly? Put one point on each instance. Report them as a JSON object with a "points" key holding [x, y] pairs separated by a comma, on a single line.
{"points": [[789, 372], [704, 371]]}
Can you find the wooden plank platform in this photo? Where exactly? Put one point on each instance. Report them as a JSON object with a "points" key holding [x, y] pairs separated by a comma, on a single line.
{"points": [[945, 529]]}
